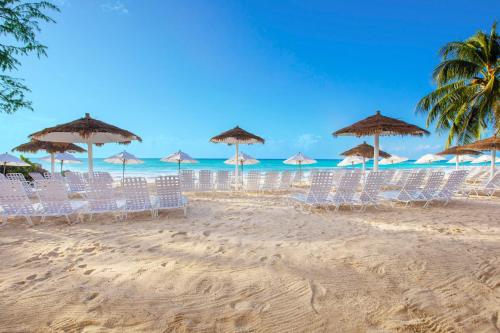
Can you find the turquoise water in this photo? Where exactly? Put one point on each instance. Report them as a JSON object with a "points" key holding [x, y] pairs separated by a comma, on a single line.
{"points": [[153, 166]]}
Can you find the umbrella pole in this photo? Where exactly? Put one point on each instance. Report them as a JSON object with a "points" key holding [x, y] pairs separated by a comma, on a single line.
{"points": [[52, 163], [123, 171], [300, 172], [364, 165], [89, 160], [457, 161], [375, 152], [493, 158], [236, 167], [4, 167], [179, 163], [62, 161]]}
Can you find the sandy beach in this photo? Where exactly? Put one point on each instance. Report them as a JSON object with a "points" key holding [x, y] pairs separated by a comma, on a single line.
{"points": [[254, 263]]}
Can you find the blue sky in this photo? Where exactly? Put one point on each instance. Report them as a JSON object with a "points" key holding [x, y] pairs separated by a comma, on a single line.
{"points": [[178, 72]]}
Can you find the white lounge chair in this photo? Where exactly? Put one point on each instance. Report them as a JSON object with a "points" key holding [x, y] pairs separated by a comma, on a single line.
{"points": [[370, 191], [222, 181], [136, 195], [100, 176], [489, 187], [205, 180], [188, 181], [431, 187], [411, 188], [54, 176], [14, 202], [346, 189], [252, 182], [298, 177], [321, 185], [451, 187], [54, 200], [169, 195], [28, 186], [36, 176], [77, 184], [102, 199], [285, 180], [271, 179]]}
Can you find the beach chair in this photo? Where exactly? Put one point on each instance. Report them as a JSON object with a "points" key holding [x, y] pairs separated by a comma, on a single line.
{"points": [[14, 202], [222, 180], [100, 176], [54, 176], [346, 189], [488, 187], [102, 199], [409, 190], [298, 176], [188, 181], [54, 200], [431, 187], [252, 183], [452, 186], [271, 179], [2, 177], [285, 180], [77, 184], [169, 195], [205, 180], [136, 195], [370, 191], [317, 195], [28, 186], [36, 176]]}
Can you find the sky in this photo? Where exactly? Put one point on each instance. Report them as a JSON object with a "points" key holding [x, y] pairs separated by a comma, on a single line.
{"points": [[177, 73]]}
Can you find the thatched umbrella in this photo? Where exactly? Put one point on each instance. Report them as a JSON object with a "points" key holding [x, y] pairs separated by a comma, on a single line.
{"points": [[52, 148], [378, 125], [364, 151], [237, 136], [458, 151], [86, 130], [492, 144]]}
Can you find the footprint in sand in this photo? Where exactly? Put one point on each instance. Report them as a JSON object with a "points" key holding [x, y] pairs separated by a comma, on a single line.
{"points": [[262, 259], [82, 266], [88, 272], [88, 250], [180, 233], [206, 233], [92, 296], [31, 277]]}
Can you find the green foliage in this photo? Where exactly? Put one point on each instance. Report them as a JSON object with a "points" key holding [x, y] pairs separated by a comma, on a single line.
{"points": [[466, 100], [19, 23], [34, 167]]}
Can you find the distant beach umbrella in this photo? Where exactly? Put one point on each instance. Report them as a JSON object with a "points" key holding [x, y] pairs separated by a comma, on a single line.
{"points": [[52, 148], [237, 136], [10, 160], [461, 154], [123, 158], [364, 151], [350, 161], [393, 159], [429, 158], [179, 157], [243, 159], [484, 159], [300, 160], [377, 126], [86, 130], [62, 157], [492, 144]]}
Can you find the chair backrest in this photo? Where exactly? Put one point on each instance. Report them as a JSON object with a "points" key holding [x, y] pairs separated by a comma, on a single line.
{"points": [[205, 180], [49, 190], [16, 176], [399, 180], [321, 185], [100, 176], [2, 177], [101, 197], [390, 174], [493, 182], [299, 175], [168, 191], [347, 186], [36, 176], [13, 199], [285, 180], [453, 183], [270, 180], [188, 182], [76, 182], [54, 176], [222, 180], [136, 193], [414, 181], [372, 185], [253, 181], [433, 184]]}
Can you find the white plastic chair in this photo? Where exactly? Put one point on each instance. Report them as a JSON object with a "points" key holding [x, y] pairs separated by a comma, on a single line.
{"points": [[346, 189], [252, 183], [411, 188], [205, 180], [489, 187], [321, 185], [102, 199], [136, 195], [169, 195], [222, 180], [370, 192], [271, 179], [54, 200], [285, 180], [28, 186], [452, 186], [14, 202], [100, 176], [36, 176], [188, 182], [77, 184]]}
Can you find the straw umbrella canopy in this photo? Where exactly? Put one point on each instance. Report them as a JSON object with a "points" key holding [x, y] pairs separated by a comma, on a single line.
{"points": [[350, 161], [63, 157], [123, 158], [492, 144], [364, 151], [86, 130], [379, 125], [429, 158], [52, 148], [237, 136], [243, 159], [179, 157], [10, 160], [393, 159], [461, 154]]}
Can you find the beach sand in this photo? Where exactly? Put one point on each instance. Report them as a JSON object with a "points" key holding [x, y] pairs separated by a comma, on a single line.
{"points": [[253, 263]]}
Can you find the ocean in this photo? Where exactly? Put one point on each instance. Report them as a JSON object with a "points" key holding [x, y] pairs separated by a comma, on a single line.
{"points": [[153, 166]]}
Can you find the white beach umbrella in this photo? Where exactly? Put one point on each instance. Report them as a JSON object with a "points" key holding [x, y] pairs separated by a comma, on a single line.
{"points": [[243, 159], [179, 157], [10, 160], [62, 157], [461, 158], [300, 160], [350, 161], [484, 159], [86, 130], [394, 159], [429, 158], [123, 158]]}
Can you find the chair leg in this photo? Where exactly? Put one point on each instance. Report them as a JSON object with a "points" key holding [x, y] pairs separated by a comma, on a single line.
{"points": [[185, 211], [28, 220], [4, 220], [67, 219]]}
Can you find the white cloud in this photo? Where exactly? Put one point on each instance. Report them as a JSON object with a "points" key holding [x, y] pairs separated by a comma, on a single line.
{"points": [[307, 140], [115, 6]]}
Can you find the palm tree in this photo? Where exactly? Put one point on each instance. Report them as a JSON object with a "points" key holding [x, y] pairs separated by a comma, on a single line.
{"points": [[467, 97]]}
